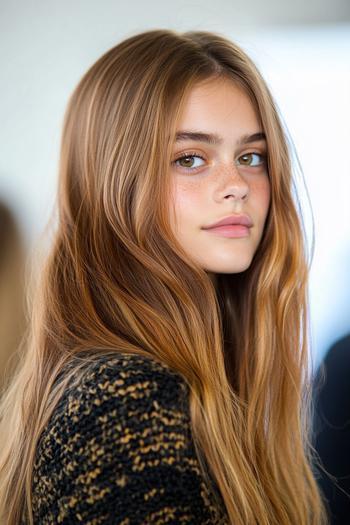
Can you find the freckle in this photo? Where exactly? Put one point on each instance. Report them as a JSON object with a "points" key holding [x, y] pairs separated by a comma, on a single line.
{"points": [[190, 186]]}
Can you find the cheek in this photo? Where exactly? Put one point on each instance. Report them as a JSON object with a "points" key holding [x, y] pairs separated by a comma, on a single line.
{"points": [[187, 199], [262, 194]]}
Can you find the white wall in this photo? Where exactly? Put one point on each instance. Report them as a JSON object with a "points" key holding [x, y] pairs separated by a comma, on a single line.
{"points": [[45, 47], [308, 71]]}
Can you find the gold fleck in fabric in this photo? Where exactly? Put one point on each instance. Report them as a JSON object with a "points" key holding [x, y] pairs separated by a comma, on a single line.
{"points": [[118, 450]]}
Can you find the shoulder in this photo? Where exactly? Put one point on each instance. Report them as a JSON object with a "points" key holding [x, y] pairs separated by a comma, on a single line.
{"points": [[114, 393], [124, 385], [131, 374], [119, 443]]}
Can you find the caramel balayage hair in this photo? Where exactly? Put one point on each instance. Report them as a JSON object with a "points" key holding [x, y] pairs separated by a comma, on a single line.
{"points": [[116, 280]]}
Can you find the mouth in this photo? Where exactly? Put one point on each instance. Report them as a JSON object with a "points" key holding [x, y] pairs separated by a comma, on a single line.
{"points": [[231, 226], [243, 220], [230, 230]]}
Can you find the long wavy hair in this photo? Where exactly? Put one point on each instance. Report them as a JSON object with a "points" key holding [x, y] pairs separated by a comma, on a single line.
{"points": [[115, 271]]}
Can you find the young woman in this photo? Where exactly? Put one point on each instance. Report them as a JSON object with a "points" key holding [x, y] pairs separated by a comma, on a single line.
{"points": [[166, 374]]}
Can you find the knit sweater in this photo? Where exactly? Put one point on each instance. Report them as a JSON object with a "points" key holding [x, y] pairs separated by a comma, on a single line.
{"points": [[118, 450]]}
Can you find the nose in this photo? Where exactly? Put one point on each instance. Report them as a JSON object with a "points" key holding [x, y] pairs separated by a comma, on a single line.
{"points": [[234, 185]]}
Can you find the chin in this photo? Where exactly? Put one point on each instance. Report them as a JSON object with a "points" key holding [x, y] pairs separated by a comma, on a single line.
{"points": [[229, 268]]}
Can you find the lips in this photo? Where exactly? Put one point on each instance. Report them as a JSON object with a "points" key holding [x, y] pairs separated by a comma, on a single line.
{"points": [[243, 220]]}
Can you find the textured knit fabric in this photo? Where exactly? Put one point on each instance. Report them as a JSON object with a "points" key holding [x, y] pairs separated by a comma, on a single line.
{"points": [[118, 450]]}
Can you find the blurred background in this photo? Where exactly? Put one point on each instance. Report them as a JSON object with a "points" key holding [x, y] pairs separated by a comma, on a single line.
{"points": [[303, 51]]}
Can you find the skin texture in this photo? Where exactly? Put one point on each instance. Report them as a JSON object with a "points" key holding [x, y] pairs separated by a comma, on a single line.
{"points": [[225, 182]]}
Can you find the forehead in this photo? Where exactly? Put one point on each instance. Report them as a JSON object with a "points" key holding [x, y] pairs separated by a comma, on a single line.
{"points": [[218, 104]]}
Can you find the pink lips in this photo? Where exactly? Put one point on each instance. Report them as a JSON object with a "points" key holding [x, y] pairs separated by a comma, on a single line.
{"points": [[243, 220], [232, 226]]}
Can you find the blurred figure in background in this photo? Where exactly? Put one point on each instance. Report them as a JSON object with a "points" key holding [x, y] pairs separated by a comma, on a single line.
{"points": [[332, 429], [12, 317]]}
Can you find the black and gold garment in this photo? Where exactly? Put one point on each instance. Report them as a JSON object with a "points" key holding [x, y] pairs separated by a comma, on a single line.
{"points": [[118, 450]]}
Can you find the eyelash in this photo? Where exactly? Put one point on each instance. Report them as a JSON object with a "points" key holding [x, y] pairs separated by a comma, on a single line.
{"points": [[193, 154]]}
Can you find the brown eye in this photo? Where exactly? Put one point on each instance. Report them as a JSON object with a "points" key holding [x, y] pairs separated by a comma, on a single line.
{"points": [[186, 162], [190, 162], [251, 159]]}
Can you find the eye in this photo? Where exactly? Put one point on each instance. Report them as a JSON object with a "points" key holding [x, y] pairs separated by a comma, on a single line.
{"points": [[252, 159], [189, 162]]}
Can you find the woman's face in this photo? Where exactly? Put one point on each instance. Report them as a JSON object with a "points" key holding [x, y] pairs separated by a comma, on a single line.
{"points": [[218, 171]]}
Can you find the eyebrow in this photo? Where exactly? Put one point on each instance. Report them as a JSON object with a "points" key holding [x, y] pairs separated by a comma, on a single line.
{"points": [[214, 139]]}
